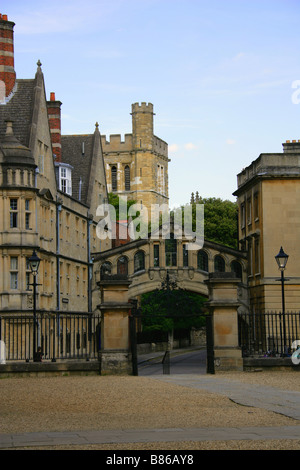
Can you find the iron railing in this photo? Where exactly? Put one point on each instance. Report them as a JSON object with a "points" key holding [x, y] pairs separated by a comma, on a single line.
{"points": [[60, 336], [268, 333]]}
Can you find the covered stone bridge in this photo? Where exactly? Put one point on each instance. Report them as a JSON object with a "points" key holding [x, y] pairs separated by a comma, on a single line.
{"points": [[146, 262]]}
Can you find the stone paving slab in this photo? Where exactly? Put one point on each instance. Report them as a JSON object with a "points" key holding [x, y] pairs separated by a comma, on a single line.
{"points": [[45, 439]]}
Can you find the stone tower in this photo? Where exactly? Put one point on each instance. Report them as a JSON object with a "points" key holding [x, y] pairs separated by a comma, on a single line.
{"points": [[138, 166]]}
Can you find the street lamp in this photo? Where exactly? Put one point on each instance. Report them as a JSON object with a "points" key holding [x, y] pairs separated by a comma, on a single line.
{"points": [[282, 259], [34, 263]]}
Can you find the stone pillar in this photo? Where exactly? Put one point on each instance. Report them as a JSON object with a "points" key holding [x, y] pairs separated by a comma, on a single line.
{"points": [[115, 356], [223, 304]]}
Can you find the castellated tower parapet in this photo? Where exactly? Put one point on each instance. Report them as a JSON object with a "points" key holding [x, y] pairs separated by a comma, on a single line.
{"points": [[142, 125]]}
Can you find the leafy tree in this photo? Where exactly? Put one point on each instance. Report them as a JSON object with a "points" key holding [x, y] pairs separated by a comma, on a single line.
{"points": [[166, 310], [220, 220], [114, 200]]}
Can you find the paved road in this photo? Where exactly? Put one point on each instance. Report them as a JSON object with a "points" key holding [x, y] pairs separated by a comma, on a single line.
{"points": [[192, 362], [85, 438]]}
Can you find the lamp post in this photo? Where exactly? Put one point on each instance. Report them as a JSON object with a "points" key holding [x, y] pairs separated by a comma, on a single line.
{"points": [[282, 259], [34, 263]]}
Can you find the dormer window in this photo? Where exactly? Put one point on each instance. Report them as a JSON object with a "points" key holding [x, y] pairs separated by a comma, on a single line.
{"points": [[64, 178]]}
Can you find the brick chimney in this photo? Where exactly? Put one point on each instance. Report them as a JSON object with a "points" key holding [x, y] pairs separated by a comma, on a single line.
{"points": [[7, 68], [54, 117]]}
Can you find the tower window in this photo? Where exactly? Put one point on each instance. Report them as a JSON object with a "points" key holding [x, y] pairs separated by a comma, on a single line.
{"points": [[114, 185], [127, 178]]}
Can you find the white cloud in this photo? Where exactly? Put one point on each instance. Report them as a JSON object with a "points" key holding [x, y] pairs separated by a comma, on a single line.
{"points": [[190, 146], [230, 141], [173, 148]]}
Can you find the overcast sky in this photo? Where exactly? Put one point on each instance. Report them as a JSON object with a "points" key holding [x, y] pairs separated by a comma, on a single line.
{"points": [[222, 75]]}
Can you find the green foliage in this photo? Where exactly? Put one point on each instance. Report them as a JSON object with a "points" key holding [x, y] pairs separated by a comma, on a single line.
{"points": [[114, 200], [172, 309], [220, 220]]}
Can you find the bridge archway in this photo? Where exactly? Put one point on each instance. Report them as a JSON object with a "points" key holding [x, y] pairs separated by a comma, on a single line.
{"points": [[146, 263]]}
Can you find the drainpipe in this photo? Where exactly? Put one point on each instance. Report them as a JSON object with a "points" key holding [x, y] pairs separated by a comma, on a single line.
{"points": [[90, 263], [58, 210]]}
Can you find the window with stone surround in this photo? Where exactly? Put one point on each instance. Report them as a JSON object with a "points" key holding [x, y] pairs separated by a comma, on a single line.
{"points": [[27, 214], [256, 207], [257, 256], [236, 268], [139, 261], [202, 260], [242, 215], [14, 272], [185, 254], [122, 265], [156, 255], [219, 264], [14, 213], [171, 251], [65, 180], [114, 184], [27, 275], [127, 178]]}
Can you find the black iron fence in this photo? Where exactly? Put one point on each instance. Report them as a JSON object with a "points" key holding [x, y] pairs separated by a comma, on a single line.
{"points": [[59, 335], [268, 333]]}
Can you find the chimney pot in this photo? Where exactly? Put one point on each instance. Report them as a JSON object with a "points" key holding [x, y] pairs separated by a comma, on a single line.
{"points": [[4, 17], [52, 96]]}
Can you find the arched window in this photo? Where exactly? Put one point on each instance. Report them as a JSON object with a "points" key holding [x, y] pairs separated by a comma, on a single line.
{"points": [[105, 268], [127, 178], [122, 265], [114, 185], [139, 261], [236, 268], [202, 261], [171, 251], [219, 264]]}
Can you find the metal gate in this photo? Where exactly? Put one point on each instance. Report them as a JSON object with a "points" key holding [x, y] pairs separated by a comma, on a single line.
{"points": [[136, 316]]}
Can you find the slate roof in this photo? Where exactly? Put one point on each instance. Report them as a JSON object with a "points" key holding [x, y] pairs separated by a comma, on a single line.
{"points": [[71, 147], [19, 110]]}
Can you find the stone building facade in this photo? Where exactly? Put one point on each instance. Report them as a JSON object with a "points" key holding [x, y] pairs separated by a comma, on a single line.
{"points": [[268, 196], [43, 205]]}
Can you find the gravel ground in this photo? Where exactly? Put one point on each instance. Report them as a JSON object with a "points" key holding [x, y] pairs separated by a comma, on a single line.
{"points": [[109, 402]]}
